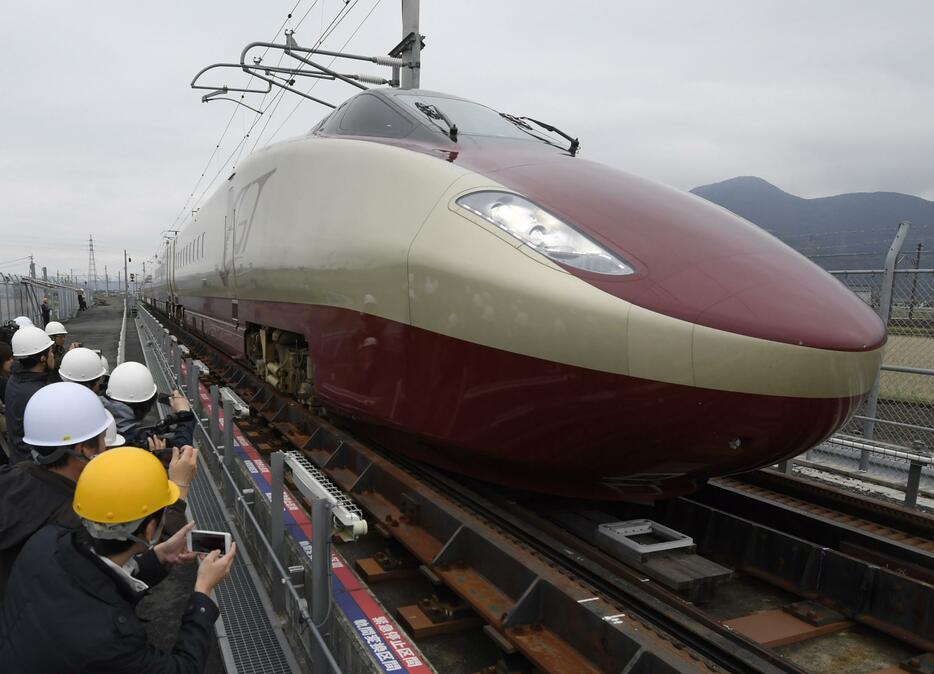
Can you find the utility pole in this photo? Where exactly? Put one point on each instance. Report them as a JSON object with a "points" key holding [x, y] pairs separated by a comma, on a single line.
{"points": [[914, 281], [126, 282], [45, 274], [32, 267], [409, 75], [106, 280], [92, 267]]}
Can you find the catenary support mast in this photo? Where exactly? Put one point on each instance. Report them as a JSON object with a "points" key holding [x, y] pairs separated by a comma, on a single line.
{"points": [[409, 76]]}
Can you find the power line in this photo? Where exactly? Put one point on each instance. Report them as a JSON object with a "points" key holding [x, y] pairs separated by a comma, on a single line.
{"points": [[15, 259], [239, 147], [335, 22], [220, 140], [279, 63], [302, 100]]}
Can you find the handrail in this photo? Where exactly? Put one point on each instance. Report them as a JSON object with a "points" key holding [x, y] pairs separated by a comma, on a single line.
{"points": [[121, 346], [284, 576]]}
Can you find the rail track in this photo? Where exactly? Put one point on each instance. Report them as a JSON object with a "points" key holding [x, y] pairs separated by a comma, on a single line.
{"points": [[896, 538], [440, 521]]}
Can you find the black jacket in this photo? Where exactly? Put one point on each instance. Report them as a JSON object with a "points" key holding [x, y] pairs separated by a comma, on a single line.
{"points": [[67, 611], [19, 389], [30, 498]]}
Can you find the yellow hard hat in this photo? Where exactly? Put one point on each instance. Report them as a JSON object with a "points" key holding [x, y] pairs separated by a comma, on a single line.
{"points": [[123, 485]]}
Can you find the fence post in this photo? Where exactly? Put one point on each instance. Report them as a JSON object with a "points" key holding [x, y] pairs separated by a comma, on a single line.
{"points": [[320, 569], [913, 486], [194, 395], [227, 406], [885, 306], [276, 525], [178, 365], [214, 425]]}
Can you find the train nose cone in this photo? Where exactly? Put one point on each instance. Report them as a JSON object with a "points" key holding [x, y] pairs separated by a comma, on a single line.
{"points": [[697, 262], [782, 297]]}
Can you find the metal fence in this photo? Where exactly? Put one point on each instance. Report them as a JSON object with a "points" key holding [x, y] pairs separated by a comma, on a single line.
{"points": [[900, 409], [22, 296]]}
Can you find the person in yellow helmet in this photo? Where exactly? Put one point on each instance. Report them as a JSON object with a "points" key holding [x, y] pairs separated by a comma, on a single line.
{"points": [[70, 602]]}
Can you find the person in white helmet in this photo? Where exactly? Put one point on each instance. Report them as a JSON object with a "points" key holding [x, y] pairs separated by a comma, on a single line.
{"points": [[131, 394], [57, 332], [65, 425], [111, 437], [32, 351], [83, 366]]}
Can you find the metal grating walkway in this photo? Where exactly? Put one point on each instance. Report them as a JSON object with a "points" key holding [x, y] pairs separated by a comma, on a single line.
{"points": [[252, 641], [249, 643]]}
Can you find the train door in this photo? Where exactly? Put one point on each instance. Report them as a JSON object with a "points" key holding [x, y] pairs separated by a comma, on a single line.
{"points": [[170, 273], [229, 273]]}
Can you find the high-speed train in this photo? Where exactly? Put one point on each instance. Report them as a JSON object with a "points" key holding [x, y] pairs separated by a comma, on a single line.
{"points": [[469, 292]]}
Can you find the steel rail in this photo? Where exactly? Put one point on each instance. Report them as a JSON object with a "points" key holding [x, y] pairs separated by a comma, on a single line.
{"points": [[662, 609], [873, 511]]}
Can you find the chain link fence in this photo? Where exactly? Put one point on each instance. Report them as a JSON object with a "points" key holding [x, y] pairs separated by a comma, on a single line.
{"points": [[22, 296], [903, 412]]}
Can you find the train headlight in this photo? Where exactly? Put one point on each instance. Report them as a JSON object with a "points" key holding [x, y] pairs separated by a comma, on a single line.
{"points": [[539, 229]]}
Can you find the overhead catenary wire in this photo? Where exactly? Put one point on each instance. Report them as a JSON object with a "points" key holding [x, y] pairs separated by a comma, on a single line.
{"points": [[238, 150], [223, 135], [15, 260], [326, 33], [302, 100], [279, 93]]}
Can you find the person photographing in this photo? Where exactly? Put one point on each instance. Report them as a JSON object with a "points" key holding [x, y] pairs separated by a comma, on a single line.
{"points": [[71, 598]]}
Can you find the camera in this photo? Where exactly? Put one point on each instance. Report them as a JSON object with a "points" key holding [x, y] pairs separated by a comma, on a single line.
{"points": [[165, 429]]}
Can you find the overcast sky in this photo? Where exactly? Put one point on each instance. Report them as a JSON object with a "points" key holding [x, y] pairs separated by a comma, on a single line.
{"points": [[100, 133]]}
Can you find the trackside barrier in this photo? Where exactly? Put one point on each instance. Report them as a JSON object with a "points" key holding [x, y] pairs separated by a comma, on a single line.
{"points": [[286, 583], [22, 296], [917, 461], [900, 407]]}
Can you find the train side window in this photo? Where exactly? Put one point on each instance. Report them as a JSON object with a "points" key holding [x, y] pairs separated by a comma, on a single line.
{"points": [[370, 116]]}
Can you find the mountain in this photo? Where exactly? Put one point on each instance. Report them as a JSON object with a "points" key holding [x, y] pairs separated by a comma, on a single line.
{"points": [[846, 231]]}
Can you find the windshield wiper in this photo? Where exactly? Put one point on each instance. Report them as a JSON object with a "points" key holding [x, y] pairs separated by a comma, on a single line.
{"points": [[523, 123], [434, 113]]}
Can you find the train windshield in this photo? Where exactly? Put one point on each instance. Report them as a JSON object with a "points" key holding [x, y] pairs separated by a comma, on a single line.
{"points": [[471, 118]]}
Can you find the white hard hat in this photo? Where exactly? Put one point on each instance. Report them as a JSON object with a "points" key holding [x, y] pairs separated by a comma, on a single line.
{"points": [[131, 383], [60, 415], [55, 328], [105, 363], [112, 438], [29, 340], [81, 365], [22, 321]]}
